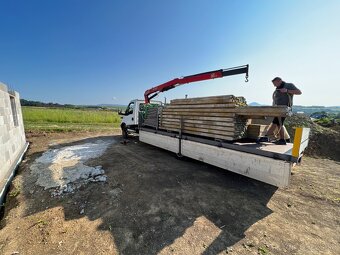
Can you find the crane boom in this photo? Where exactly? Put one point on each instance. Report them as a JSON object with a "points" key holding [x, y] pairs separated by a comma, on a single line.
{"points": [[151, 93]]}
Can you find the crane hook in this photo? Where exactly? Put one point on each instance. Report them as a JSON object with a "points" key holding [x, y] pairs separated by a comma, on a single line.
{"points": [[246, 79]]}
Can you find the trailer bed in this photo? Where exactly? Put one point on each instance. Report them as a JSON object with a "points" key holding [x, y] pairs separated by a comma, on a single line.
{"points": [[265, 162]]}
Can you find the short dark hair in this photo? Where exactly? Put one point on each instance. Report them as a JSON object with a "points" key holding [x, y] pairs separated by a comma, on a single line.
{"points": [[276, 79]]}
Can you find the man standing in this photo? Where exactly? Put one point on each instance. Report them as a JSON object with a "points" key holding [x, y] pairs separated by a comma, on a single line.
{"points": [[283, 95]]}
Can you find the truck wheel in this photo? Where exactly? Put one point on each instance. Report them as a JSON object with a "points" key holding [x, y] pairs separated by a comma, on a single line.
{"points": [[124, 131]]}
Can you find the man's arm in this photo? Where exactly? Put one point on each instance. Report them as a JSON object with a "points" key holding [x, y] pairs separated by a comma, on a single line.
{"points": [[291, 90], [294, 91]]}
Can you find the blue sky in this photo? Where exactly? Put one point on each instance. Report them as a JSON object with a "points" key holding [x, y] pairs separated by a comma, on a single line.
{"points": [[92, 52]]}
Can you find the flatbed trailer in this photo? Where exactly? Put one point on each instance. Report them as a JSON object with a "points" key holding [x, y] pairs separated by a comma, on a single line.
{"points": [[265, 162]]}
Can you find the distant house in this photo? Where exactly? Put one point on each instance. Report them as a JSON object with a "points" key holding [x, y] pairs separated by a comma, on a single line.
{"points": [[318, 115]]}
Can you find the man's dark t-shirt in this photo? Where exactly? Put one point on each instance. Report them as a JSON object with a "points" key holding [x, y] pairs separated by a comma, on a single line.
{"points": [[280, 98]]}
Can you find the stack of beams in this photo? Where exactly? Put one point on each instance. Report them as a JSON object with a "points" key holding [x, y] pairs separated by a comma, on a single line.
{"points": [[212, 117], [218, 117]]}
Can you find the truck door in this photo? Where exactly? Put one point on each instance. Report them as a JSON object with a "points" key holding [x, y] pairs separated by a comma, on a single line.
{"points": [[129, 117]]}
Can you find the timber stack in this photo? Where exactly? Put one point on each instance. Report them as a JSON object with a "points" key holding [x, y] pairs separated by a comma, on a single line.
{"points": [[218, 117], [212, 117]]}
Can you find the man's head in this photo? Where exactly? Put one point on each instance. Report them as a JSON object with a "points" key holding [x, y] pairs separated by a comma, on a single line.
{"points": [[277, 81]]}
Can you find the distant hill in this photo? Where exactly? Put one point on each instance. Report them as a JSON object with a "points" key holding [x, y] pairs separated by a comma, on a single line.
{"points": [[112, 105], [25, 102], [255, 104]]}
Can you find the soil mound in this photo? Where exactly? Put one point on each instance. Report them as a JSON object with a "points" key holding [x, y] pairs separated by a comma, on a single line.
{"points": [[324, 142]]}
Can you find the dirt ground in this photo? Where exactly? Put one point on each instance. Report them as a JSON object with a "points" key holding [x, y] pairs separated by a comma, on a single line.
{"points": [[155, 203]]}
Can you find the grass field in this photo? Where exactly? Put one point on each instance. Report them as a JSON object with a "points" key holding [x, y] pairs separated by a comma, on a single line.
{"points": [[65, 119]]}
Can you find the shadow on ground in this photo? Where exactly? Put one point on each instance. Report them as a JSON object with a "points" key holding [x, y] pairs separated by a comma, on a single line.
{"points": [[154, 202]]}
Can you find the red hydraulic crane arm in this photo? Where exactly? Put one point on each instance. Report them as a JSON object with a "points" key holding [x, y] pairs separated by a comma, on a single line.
{"points": [[151, 93]]}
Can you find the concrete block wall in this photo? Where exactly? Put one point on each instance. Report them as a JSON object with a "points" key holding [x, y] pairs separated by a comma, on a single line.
{"points": [[12, 137]]}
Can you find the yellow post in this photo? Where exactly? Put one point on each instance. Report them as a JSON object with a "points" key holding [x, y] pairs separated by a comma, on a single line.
{"points": [[297, 142]]}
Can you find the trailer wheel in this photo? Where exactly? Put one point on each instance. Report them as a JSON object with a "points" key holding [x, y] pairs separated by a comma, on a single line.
{"points": [[124, 131]]}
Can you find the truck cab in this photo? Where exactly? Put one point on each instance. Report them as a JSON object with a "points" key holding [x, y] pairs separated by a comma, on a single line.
{"points": [[130, 117]]}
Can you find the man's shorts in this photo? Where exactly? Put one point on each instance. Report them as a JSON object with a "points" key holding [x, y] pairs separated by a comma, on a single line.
{"points": [[277, 122]]}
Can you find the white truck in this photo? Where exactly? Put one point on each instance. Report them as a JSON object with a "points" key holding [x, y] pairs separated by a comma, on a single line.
{"points": [[265, 162]]}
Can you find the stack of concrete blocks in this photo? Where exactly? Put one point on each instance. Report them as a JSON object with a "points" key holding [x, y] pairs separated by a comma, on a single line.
{"points": [[12, 136]]}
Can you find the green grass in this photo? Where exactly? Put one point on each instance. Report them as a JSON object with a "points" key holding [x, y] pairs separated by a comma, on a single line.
{"points": [[65, 119]]}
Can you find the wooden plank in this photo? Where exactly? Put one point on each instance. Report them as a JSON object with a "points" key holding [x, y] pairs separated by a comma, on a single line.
{"points": [[235, 129], [264, 111], [246, 115], [188, 110], [258, 109], [262, 121], [266, 107], [205, 129], [246, 110], [199, 121], [201, 130], [204, 122], [213, 101], [194, 106], [237, 110], [203, 100], [205, 114], [203, 118], [215, 136], [193, 125], [262, 114]]}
